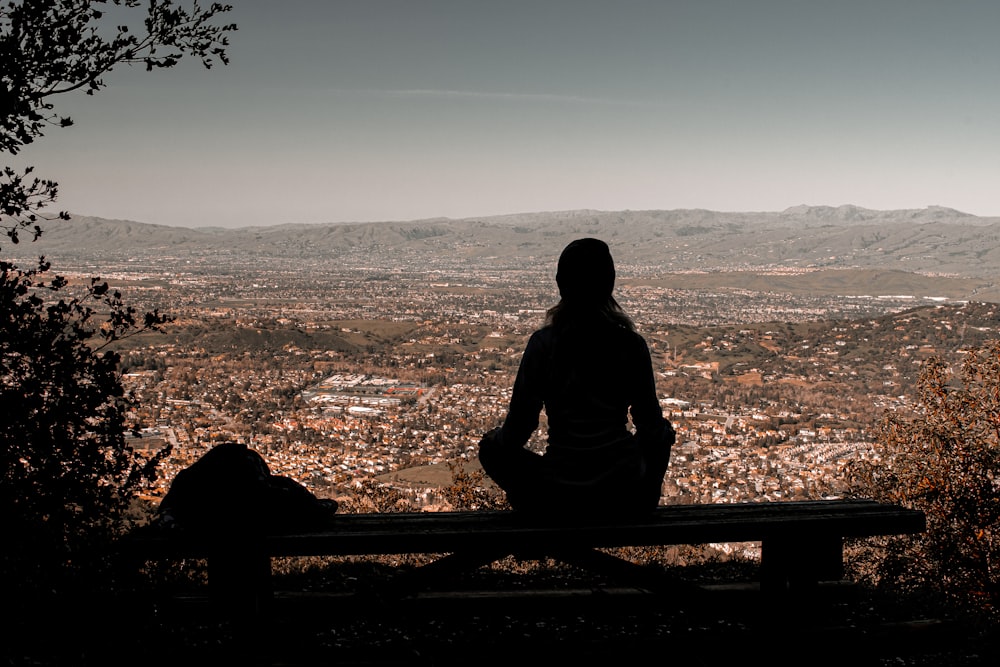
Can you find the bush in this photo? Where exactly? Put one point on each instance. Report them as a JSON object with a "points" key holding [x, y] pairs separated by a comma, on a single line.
{"points": [[67, 477], [369, 496], [944, 459], [472, 490], [66, 474]]}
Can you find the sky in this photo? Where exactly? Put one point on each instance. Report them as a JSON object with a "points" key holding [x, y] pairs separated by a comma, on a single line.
{"points": [[379, 110]]}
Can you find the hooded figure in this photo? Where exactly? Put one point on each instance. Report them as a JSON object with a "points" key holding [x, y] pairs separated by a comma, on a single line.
{"points": [[591, 372]]}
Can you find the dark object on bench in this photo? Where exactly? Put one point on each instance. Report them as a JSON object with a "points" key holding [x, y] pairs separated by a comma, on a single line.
{"points": [[230, 491], [801, 541]]}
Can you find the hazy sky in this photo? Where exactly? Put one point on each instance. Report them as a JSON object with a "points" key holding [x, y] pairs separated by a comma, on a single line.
{"points": [[397, 110]]}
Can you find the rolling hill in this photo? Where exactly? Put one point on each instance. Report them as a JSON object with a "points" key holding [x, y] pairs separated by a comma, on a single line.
{"points": [[855, 248]]}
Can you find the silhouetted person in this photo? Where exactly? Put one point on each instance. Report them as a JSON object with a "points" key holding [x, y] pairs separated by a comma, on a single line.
{"points": [[589, 369]]}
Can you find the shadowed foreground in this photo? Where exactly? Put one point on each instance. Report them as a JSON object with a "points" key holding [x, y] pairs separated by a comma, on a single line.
{"points": [[577, 619]]}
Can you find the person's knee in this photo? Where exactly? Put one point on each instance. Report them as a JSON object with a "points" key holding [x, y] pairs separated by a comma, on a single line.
{"points": [[656, 450], [489, 446], [669, 434]]}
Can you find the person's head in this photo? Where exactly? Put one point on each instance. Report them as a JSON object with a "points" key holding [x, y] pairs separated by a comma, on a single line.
{"points": [[585, 275], [585, 272]]}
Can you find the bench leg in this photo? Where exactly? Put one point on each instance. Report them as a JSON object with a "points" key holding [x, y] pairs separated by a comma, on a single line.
{"points": [[239, 580], [799, 564]]}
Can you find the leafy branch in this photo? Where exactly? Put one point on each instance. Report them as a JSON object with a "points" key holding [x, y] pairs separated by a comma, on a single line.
{"points": [[53, 47]]}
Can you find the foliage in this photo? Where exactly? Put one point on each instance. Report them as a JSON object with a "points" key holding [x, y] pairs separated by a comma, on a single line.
{"points": [[945, 460], [67, 475], [371, 495], [52, 47], [470, 490], [467, 490]]}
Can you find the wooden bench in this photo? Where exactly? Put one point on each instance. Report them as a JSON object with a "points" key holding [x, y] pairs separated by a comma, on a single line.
{"points": [[801, 541]]}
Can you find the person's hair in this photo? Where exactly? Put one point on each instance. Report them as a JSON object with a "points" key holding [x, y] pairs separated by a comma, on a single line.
{"points": [[564, 313], [586, 277]]}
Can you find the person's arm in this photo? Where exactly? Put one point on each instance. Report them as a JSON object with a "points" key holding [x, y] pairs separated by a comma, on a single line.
{"points": [[647, 415], [526, 396]]}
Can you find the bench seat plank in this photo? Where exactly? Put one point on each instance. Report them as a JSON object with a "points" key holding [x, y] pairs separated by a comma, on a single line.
{"points": [[447, 532]]}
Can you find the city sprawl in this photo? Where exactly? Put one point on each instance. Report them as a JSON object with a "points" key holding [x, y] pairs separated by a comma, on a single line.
{"points": [[392, 367]]}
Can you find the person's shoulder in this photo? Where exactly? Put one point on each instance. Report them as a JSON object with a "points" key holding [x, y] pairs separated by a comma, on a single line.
{"points": [[634, 337], [637, 335], [624, 331], [541, 337], [548, 331]]}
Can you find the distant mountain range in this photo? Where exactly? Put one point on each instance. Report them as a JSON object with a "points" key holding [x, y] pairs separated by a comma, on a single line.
{"points": [[934, 242]]}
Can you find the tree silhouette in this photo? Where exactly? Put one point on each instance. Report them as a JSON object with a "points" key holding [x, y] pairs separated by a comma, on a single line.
{"points": [[53, 47], [67, 475]]}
